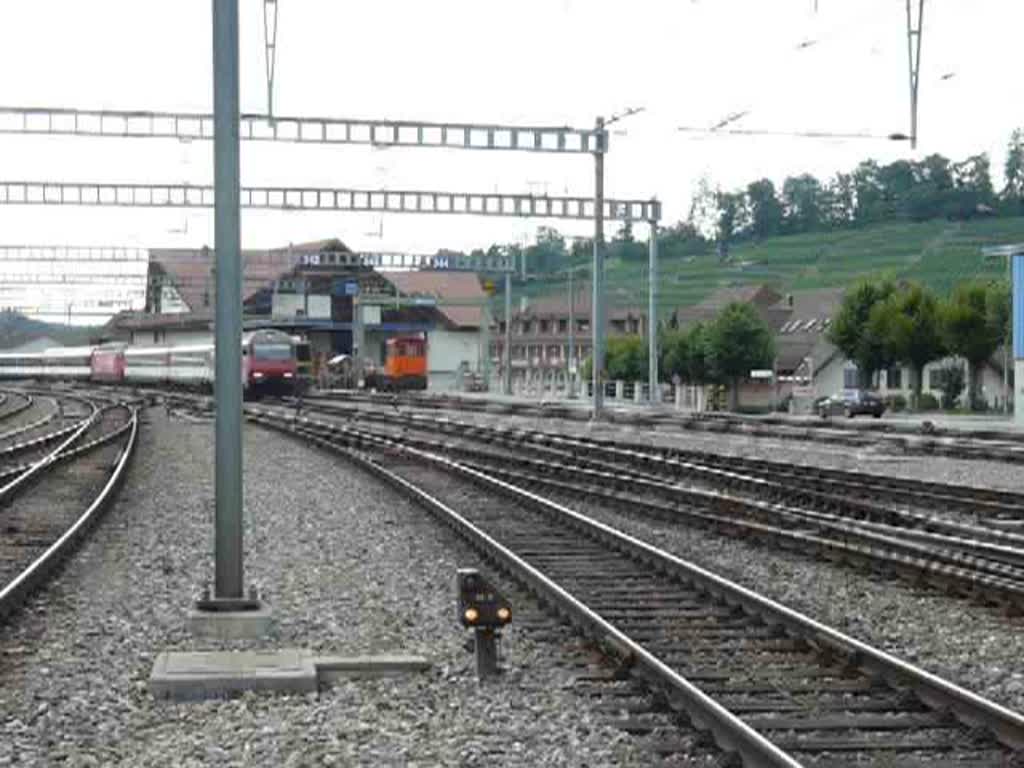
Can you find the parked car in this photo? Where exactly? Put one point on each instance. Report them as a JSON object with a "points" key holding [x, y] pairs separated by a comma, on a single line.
{"points": [[850, 403]]}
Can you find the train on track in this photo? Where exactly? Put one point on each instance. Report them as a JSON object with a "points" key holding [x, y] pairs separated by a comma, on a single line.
{"points": [[270, 364]]}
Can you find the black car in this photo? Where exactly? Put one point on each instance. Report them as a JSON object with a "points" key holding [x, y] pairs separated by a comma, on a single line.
{"points": [[850, 403]]}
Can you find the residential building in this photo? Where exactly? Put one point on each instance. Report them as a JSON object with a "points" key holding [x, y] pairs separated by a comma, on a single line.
{"points": [[540, 334]]}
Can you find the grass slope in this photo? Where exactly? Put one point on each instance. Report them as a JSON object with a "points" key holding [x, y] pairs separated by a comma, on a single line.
{"points": [[936, 253]]}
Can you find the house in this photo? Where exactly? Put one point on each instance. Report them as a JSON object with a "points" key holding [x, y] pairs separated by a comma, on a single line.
{"points": [[540, 335]]}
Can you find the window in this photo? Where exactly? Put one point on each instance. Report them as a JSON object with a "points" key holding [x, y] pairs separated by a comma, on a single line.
{"points": [[935, 378], [563, 326], [545, 326], [527, 326], [583, 325], [894, 378], [850, 378], [619, 326]]}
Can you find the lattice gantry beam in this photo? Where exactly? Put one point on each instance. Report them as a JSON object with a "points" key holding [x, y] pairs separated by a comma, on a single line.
{"points": [[305, 130], [325, 199], [65, 253], [410, 261]]}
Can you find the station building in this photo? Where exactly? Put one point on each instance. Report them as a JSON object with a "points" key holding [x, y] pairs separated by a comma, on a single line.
{"points": [[318, 290]]}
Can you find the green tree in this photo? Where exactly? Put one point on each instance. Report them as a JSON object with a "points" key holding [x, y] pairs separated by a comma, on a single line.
{"points": [[738, 341], [973, 328], [859, 336], [801, 200], [626, 358], [684, 354], [730, 218], [910, 323], [765, 209], [1013, 192]]}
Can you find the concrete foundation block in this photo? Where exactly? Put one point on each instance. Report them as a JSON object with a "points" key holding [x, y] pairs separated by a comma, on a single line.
{"points": [[230, 625], [216, 674], [330, 669]]}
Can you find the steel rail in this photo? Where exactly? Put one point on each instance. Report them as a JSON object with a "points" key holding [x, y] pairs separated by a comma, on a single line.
{"points": [[730, 732], [967, 707], [981, 541], [14, 593], [981, 499], [28, 427], [8, 491], [910, 441], [970, 572], [18, 408]]}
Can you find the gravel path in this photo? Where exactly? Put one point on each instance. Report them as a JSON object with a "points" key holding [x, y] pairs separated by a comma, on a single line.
{"points": [[347, 566]]}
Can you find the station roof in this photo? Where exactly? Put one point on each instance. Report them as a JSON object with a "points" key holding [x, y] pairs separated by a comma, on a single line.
{"points": [[190, 270], [458, 286]]}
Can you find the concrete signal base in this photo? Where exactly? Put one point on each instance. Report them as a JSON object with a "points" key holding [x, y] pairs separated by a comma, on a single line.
{"points": [[231, 625], [218, 674]]}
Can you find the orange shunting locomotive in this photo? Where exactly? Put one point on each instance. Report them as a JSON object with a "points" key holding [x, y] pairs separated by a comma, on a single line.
{"points": [[405, 365]]}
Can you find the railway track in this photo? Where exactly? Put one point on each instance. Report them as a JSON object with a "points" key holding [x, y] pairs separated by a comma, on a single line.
{"points": [[50, 502], [977, 444], [13, 403], [771, 686], [893, 490], [982, 563]]}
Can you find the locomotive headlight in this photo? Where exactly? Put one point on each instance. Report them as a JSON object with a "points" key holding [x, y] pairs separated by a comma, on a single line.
{"points": [[288, 374], [504, 614], [471, 615], [257, 375]]}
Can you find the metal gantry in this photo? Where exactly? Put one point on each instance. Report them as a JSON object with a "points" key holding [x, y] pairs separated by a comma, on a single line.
{"points": [[142, 124], [92, 193]]}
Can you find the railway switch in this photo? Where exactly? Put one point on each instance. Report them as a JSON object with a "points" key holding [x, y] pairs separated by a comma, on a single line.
{"points": [[484, 610]]}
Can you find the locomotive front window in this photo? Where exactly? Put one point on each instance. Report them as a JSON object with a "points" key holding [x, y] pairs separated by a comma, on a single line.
{"points": [[272, 351]]}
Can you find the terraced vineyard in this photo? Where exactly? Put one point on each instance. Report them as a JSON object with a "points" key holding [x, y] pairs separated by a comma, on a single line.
{"points": [[938, 253]]}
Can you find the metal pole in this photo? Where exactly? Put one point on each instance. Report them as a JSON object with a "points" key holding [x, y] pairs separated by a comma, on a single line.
{"points": [[228, 583], [485, 367], [358, 337], [597, 329], [1006, 344], [507, 384], [571, 357], [652, 318]]}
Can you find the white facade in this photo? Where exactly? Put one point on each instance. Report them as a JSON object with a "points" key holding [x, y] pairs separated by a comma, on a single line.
{"points": [[170, 337], [446, 353], [842, 374]]}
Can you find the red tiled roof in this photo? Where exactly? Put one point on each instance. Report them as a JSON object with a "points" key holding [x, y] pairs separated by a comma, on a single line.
{"points": [[462, 286], [190, 270]]}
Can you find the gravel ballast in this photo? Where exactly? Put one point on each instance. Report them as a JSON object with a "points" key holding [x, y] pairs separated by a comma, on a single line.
{"points": [[348, 567], [975, 646]]}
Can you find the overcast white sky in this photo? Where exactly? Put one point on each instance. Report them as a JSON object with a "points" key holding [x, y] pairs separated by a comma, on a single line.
{"points": [[688, 62]]}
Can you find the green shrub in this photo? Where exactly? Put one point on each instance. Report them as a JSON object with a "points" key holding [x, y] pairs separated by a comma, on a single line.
{"points": [[896, 403], [928, 402]]}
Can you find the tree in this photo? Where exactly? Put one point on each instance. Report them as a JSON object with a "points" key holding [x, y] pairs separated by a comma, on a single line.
{"points": [[1013, 192], [765, 209], [856, 334], [738, 341], [910, 323], [868, 193], [973, 329], [801, 199], [838, 202], [731, 210], [684, 354], [626, 358]]}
